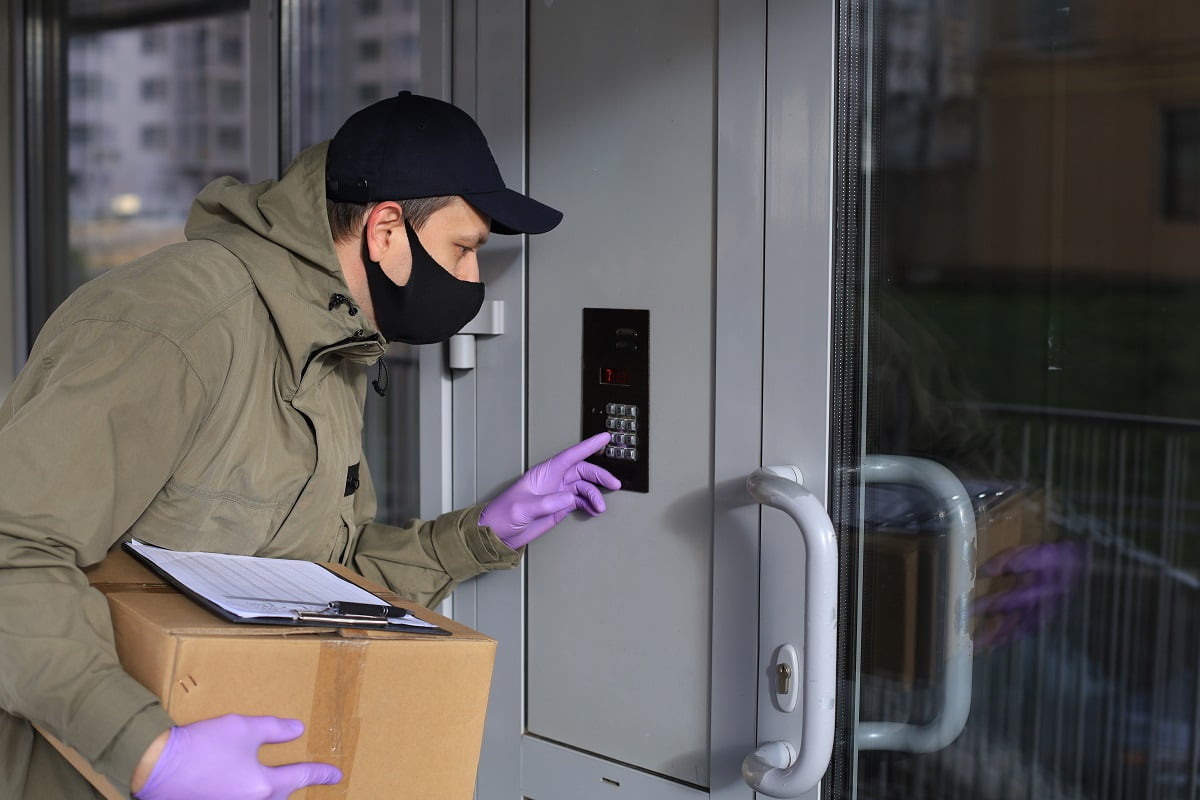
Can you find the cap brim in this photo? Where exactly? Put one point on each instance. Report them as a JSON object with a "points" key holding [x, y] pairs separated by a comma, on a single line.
{"points": [[512, 212]]}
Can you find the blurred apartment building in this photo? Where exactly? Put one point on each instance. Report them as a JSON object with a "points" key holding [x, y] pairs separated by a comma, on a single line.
{"points": [[157, 110]]}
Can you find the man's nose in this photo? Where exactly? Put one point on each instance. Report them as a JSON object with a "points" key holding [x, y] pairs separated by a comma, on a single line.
{"points": [[468, 268]]}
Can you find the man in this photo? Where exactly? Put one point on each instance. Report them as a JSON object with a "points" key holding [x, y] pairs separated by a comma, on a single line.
{"points": [[209, 396]]}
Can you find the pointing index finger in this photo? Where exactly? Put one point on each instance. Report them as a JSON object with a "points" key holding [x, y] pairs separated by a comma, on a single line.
{"points": [[589, 446]]}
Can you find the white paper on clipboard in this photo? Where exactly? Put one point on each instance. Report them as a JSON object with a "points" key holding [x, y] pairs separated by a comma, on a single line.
{"points": [[252, 587]]}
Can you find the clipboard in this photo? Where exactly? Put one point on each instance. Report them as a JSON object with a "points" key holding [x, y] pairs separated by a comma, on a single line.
{"points": [[271, 591]]}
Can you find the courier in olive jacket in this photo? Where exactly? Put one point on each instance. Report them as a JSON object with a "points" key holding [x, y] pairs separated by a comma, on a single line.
{"points": [[206, 397]]}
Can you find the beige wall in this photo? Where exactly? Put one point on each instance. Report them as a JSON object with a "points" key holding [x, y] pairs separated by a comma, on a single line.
{"points": [[1073, 173], [1069, 162]]}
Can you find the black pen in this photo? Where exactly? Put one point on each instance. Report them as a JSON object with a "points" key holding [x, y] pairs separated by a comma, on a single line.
{"points": [[370, 610]]}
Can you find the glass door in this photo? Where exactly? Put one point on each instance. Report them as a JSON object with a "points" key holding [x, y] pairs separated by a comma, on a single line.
{"points": [[341, 57], [155, 104], [1022, 286], [148, 101]]}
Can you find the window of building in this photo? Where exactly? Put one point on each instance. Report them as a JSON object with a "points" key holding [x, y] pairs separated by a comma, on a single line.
{"points": [[230, 138], [154, 41], [84, 42], [1051, 25], [82, 133], [154, 88], [408, 47], [85, 86], [1181, 164], [230, 50], [370, 49], [229, 95], [369, 92], [153, 137]]}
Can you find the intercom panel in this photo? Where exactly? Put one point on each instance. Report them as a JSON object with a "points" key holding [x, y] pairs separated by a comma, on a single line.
{"points": [[616, 391]]}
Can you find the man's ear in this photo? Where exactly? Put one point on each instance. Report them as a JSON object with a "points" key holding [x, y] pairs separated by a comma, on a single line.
{"points": [[383, 222]]}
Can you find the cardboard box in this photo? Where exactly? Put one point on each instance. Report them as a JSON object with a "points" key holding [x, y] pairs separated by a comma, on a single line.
{"points": [[1019, 518], [904, 583], [401, 714], [901, 575], [1016, 520]]}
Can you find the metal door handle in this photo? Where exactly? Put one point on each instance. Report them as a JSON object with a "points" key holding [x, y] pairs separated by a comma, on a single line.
{"points": [[778, 769], [953, 499]]}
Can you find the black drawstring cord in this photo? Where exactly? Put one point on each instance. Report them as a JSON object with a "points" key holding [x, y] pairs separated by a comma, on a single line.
{"points": [[336, 300], [382, 378]]}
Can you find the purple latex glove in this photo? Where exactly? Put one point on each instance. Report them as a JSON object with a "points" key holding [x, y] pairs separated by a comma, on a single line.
{"points": [[548, 492], [218, 758], [1045, 574]]}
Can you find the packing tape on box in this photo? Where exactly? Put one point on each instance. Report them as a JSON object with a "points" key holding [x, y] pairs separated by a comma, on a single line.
{"points": [[333, 720]]}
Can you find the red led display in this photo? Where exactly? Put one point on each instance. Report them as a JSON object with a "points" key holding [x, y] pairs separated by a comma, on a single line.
{"points": [[614, 377]]}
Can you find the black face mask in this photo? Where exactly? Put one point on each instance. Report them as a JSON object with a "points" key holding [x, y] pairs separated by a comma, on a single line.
{"points": [[433, 306]]}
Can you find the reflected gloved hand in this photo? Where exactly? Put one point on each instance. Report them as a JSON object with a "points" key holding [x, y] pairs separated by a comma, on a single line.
{"points": [[1045, 574], [548, 492], [218, 758]]}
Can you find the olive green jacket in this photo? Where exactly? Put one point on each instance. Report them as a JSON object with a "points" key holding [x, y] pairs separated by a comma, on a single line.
{"points": [[208, 396]]}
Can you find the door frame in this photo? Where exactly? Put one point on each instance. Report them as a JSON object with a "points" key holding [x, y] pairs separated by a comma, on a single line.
{"points": [[798, 319], [473, 423]]}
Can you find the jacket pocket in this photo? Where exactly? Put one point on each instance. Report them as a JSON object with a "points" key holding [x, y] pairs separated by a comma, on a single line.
{"points": [[189, 518]]}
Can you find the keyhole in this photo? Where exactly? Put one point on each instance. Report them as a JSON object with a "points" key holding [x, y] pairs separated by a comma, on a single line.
{"points": [[783, 678]]}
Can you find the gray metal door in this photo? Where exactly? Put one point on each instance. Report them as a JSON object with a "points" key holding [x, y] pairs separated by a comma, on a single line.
{"points": [[695, 187]]}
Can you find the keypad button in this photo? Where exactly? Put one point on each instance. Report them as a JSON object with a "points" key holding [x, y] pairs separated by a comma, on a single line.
{"points": [[622, 424]]}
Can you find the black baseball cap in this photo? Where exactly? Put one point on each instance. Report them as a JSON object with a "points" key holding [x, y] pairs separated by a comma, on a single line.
{"points": [[410, 146]]}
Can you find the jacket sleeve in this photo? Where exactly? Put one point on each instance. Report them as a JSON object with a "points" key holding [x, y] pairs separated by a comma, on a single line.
{"points": [[425, 559], [89, 433]]}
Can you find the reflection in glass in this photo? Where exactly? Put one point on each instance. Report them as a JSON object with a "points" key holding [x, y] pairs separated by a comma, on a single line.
{"points": [[1033, 288], [154, 113], [350, 55]]}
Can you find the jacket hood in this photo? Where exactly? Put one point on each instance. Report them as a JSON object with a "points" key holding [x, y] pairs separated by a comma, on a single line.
{"points": [[280, 231]]}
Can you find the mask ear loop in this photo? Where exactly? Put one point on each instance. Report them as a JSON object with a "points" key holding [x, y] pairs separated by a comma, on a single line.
{"points": [[366, 251], [383, 378]]}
